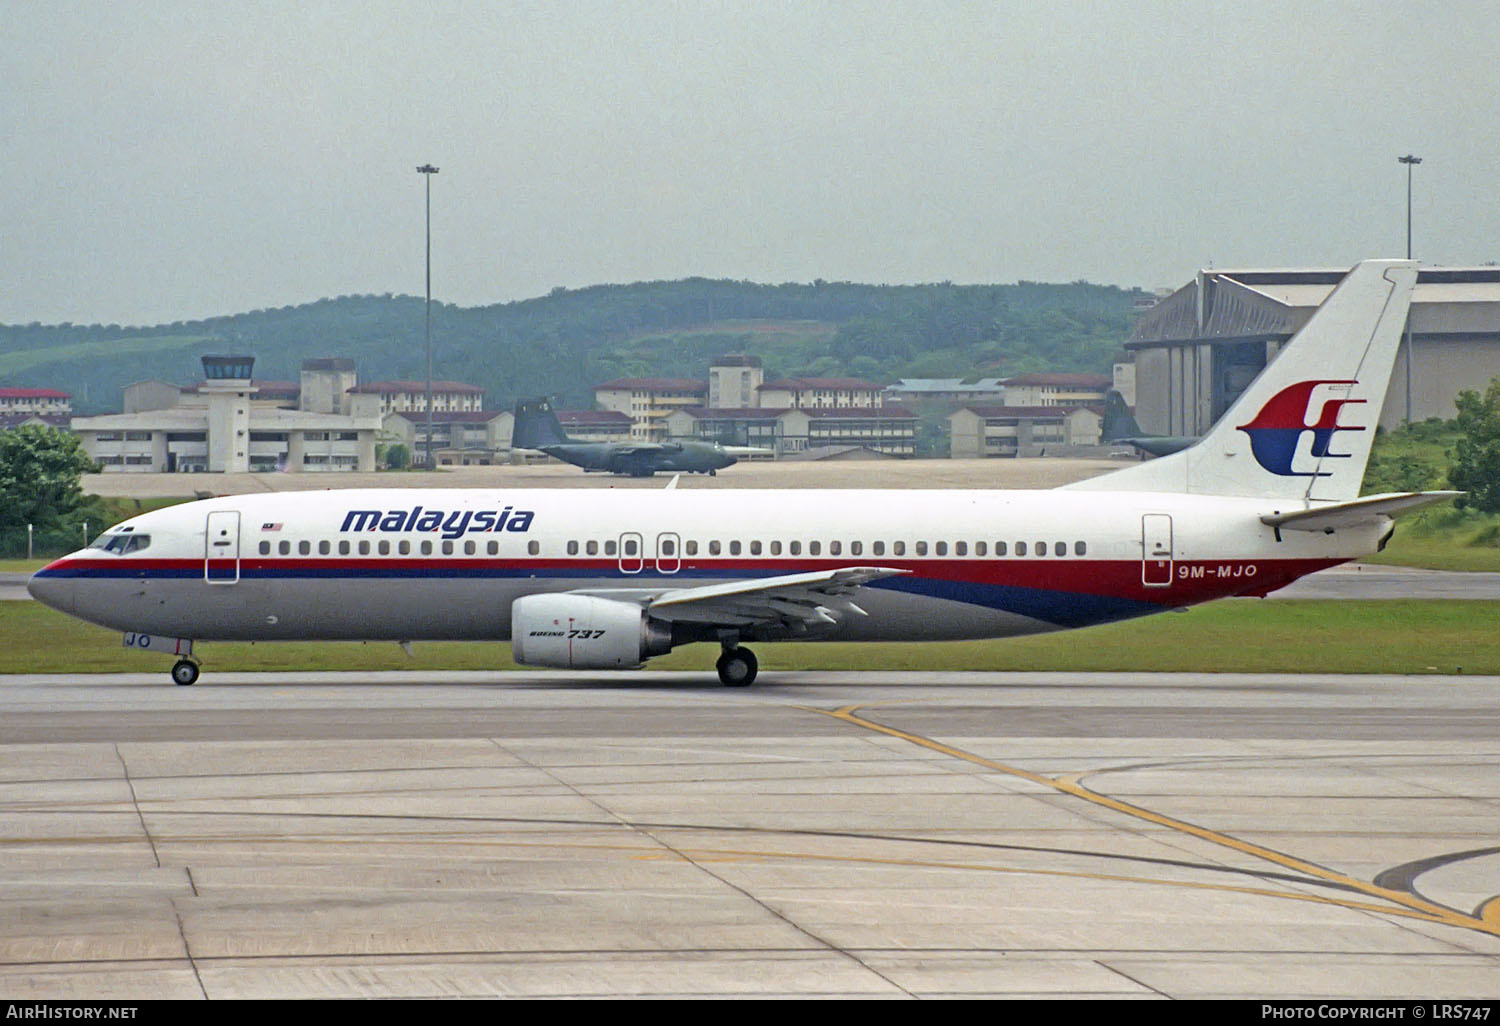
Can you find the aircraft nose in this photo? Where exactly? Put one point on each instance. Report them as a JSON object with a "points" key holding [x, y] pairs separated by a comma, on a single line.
{"points": [[732, 460], [52, 590]]}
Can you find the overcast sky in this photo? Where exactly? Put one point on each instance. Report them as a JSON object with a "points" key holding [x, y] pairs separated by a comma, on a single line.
{"points": [[167, 159]]}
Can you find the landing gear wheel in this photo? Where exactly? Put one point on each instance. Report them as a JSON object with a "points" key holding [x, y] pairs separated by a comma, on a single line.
{"points": [[184, 672], [737, 667]]}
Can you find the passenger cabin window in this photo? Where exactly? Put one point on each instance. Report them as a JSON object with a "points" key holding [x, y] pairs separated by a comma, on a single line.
{"points": [[878, 548], [534, 547], [265, 548], [1020, 548], [364, 548], [796, 548], [325, 547], [856, 548], [960, 548], [1000, 549], [814, 548], [304, 548], [285, 548], [921, 548], [898, 548], [834, 548], [1060, 548], [1079, 548], [734, 548], [776, 548], [343, 548]]}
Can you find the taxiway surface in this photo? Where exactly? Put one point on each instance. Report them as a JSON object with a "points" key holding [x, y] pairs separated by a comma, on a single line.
{"points": [[821, 834]]}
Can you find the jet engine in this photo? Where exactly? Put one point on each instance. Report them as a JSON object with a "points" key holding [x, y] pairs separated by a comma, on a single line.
{"points": [[581, 632]]}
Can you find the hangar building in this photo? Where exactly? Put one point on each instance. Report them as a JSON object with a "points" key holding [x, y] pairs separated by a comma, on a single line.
{"points": [[1197, 349]]}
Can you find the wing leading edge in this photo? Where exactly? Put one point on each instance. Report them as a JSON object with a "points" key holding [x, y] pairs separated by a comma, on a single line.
{"points": [[799, 603]]}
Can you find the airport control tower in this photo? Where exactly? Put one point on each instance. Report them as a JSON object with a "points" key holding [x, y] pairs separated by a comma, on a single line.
{"points": [[228, 390]]}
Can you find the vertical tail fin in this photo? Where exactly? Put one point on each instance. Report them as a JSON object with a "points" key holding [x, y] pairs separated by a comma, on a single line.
{"points": [[1304, 427], [1118, 422], [536, 425]]}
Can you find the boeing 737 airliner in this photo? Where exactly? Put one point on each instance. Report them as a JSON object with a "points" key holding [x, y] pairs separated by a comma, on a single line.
{"points": [[594, 580]]}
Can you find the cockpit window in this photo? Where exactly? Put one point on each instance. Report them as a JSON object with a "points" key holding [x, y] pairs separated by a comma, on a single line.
{"points": [[120, 544]]}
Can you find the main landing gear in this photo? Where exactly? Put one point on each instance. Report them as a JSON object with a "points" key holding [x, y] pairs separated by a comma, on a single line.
{"points": [[184, 672], [737, 667]]}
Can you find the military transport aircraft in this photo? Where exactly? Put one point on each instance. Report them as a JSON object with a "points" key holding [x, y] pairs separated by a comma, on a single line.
{"points": [[1119, 425], [537, 427], [592, 579]]}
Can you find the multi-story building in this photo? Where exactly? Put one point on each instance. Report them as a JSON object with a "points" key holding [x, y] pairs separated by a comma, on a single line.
{"points": [[42, 402], [595, 425], [648, 401], [224, 425], [946, 390], [734, 381], [410, 396], [820, 393], [1057, 389], [459, 438], [891, 430], [978, 432]]}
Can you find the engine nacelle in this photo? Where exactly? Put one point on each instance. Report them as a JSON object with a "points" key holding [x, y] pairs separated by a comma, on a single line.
{"points": [[581, 632]]}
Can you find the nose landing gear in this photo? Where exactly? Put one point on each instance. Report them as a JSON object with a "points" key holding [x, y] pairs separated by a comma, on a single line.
{"points": [[184, 672]]}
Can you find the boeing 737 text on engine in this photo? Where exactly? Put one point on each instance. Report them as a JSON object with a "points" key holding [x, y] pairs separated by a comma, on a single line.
{"points": [[608, 579]]}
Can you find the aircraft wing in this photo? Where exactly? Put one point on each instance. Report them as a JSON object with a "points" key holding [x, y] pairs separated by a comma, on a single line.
{"points": [[1354, 512], [797, 603], [638, 448], [1153, 445]]}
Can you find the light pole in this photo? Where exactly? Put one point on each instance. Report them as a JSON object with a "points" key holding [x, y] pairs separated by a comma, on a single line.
{"points": [[1410, 162], [427, 171]]}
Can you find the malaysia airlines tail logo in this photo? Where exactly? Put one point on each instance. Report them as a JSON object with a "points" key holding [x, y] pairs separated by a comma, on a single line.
{"points": [[1306, 408]]}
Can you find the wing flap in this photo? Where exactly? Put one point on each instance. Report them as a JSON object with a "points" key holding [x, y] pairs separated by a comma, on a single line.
{"points": [[802, 602]]}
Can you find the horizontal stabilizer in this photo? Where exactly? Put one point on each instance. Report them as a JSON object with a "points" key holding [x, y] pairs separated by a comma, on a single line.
{"points": [[1354, 512]]}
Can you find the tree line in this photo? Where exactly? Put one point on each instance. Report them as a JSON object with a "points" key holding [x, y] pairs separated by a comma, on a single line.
{"points": [[562, 343]]}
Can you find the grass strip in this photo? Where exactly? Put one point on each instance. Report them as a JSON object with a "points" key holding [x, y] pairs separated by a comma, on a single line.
{"points": [[1236, 635]]}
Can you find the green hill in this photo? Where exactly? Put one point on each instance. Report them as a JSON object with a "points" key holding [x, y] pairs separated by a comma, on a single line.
{"points": [[564, 342]]}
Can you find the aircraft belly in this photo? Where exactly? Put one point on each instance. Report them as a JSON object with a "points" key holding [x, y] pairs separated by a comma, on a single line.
{"points": [[899, 616], [310, 609]]}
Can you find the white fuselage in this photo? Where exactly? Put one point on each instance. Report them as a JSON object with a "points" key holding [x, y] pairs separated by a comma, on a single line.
{"points": [[416, 564]]}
